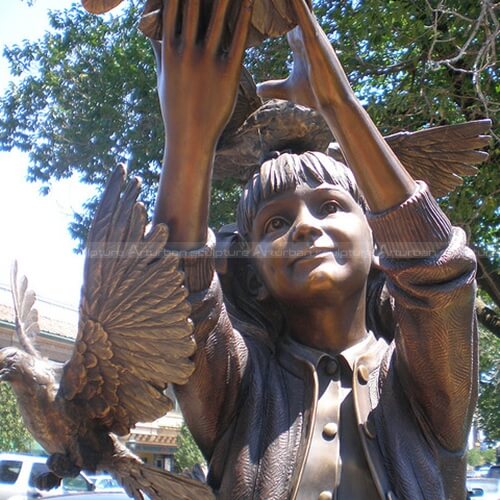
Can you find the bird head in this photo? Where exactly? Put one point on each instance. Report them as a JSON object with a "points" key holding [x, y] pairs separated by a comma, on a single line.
{"points": [[13, 363]]}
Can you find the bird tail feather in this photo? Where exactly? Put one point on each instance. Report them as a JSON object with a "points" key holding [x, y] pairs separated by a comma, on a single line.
{"points": [[160, 484]]}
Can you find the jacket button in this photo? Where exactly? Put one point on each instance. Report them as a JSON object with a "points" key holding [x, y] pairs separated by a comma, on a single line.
{"points": [[330, 431], [325, 495], [331, 367], [363, 375]]}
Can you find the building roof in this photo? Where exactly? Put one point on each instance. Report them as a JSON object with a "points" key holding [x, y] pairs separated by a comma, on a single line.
{"points": [[54, 318]]}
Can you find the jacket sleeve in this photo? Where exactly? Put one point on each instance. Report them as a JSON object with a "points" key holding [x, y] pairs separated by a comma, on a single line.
{"points": [[431, 275], [208, 400]]}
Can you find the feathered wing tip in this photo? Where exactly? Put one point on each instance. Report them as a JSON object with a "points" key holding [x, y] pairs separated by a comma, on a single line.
{"points": [[159, 484], [440, 156], [26, 316], [100, 6]]}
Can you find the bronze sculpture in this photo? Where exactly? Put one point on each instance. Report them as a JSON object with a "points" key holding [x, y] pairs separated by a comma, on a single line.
{"points": [[269, 17], [292, 395], [292, 398], [120, 367]]}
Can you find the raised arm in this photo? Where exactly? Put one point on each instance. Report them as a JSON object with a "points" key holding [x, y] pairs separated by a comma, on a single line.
{"points": [[433, 295], [197, 85], [319, 81]]}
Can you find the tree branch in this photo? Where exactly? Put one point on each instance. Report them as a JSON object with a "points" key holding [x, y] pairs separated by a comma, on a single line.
{"points": [[488, 277], [487, 317]]}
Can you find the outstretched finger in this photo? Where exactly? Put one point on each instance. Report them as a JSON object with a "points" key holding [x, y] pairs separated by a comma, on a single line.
{"points": [[241, 30], [170, 8], [191, 19], [305, 18], [216, 26]]}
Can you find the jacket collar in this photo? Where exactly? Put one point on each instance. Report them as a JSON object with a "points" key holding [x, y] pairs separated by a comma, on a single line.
{"points": [[347, 357]]}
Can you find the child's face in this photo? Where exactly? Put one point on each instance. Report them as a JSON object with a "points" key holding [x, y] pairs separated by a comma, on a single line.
{"points": [[312, 244]]}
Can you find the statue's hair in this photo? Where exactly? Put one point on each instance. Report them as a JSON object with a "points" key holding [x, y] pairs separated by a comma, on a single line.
{"points": [[285, 173]]}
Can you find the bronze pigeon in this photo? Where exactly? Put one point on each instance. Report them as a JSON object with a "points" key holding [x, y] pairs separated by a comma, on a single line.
{"points": [[270, 18], [440, 156], [134, 338]]}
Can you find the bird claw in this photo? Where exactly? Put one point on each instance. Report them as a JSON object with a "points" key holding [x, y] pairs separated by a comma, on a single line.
{"points": [[47, 481], [62, 465]]}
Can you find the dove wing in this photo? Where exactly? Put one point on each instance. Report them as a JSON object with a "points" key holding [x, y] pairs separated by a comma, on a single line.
{"points": [[100, 6], [440, 156], [134, 335], [26, 315]]}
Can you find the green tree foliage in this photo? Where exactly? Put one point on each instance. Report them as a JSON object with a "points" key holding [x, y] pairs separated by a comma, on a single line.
{"points": [[13, 434], [489, 387], [83, 98], [476, 457], [187, 454]]}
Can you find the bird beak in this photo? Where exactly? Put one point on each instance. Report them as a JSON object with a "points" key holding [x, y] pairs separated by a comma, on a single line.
{"points": [[4, 368]]}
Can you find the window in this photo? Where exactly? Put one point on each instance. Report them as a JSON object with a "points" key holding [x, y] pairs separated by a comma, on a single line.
{"points": [[9, 471], [77, 483], [36, 470], [169, 463]]}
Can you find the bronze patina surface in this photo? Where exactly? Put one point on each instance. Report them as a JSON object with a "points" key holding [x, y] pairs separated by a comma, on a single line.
{"points": [[121, 363], [258, 399], [333, 354]]}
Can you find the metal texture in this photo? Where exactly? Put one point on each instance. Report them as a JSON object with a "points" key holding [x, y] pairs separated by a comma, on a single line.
{"points": [[440, 156], [134, 338], [270, 18]]}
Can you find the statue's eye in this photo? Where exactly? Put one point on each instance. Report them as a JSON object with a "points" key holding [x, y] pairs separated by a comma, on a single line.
{"points": [[329, 207], [275, 224]]}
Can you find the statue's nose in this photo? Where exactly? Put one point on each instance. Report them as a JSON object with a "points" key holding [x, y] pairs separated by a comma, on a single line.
{"points": [[306, 227]]}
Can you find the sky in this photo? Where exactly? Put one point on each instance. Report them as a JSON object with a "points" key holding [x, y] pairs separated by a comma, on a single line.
{"points": [[34, 228]]}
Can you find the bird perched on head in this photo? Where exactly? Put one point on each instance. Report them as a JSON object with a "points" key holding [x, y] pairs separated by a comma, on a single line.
{"points": [[134, 338]]}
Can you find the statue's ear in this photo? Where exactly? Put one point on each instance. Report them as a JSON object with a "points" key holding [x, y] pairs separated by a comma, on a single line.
{"points": [[234, 266], [255, 285]]}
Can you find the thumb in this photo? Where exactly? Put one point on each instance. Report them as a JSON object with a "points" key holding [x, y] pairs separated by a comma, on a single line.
{"points": [[273, 89]]}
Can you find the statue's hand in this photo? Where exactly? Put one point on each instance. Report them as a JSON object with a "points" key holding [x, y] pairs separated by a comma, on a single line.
{"points": [[314, 80], [197, 81]]}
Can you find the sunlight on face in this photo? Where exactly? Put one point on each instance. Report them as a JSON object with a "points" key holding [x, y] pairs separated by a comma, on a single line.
{"points": [[312, 244]]}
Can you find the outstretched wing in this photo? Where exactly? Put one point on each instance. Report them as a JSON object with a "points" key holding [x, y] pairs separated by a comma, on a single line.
{"points": [[27, 327], [440, 156], [100, 6], [134, 335]]}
